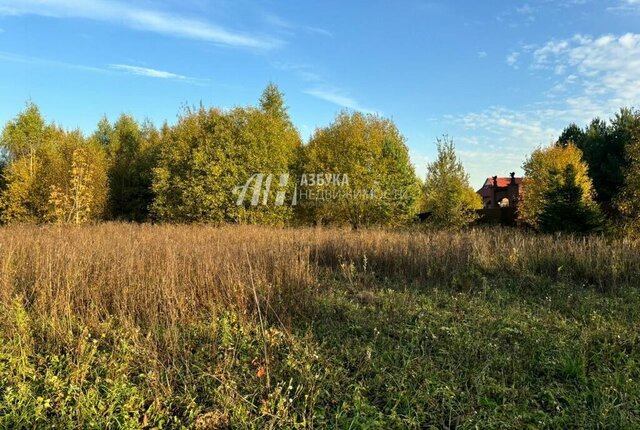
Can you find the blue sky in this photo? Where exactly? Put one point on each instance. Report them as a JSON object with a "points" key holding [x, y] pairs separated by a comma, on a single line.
{"points": [[499, 77]]}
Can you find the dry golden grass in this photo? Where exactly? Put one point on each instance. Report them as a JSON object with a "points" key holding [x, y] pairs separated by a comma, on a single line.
{"points": [[164, 302], [150, 275]]}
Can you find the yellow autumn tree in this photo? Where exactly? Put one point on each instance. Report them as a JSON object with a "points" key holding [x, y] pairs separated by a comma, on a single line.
{"points": [[82, 198], [376, 182], [45, 166], [27, 143], [542, 173]]}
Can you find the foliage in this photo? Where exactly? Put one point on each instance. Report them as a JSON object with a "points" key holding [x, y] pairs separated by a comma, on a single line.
{"points": [[27, 142], [271, 145], [542, 174], [248, 165], [82, 197], [629, 200], [381, 186], [196, 169], [564, 208], [447, 196], [210, 153], [132, 153], [603, 146], [51, 174], [25, 135]]}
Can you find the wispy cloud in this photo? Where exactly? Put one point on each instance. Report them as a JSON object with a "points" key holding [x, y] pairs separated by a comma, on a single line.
{"points": [[525, 9], [305, 72], [320, 87], [288, 26], [482, 54], [144, 71], [338, 98], [153, 73], [43, 62], [591, 77], [138, 18], [112, 68], [501, 138], [605, 68], [627, 6], [519, 16], [512, 59]]}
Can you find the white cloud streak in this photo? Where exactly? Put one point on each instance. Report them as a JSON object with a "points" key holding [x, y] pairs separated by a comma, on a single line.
{"points": [[112, 68], [144, 71], [338, 98], [626, 6], [42, 62], [138, 18], [288, 26]]}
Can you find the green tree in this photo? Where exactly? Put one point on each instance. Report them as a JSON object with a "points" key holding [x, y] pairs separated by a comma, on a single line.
{"points": [[381, 186], [541, 175], [270, 145], [104, 132], [210, 153], [603, 146], [197, 169], [25, 135], [628, 201], [132, 150], [272, 103], [572, 134], [448, 197], [564, 208]]}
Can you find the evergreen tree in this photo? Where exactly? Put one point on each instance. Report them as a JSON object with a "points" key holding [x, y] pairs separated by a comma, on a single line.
{"points": [[572, 134], [603, 146], [448, 197], [628, 201], [564, 208], [541, 175], [272, 102]]}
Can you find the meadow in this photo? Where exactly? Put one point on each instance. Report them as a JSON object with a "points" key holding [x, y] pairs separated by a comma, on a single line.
{"points": [[146, 326]]}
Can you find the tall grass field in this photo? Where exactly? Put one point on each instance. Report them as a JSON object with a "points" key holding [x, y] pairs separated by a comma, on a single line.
{"points": [[139, 326]]}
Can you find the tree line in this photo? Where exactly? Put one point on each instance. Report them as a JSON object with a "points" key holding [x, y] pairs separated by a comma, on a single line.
{"points": [[132, 171], [589, 180]]}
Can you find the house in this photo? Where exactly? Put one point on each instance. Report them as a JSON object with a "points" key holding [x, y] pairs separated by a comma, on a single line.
{"points": [[501, 192]]}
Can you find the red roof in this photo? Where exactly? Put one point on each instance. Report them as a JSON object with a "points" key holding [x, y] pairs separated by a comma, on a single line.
{"points": [[502, 182], [486, 190]]}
